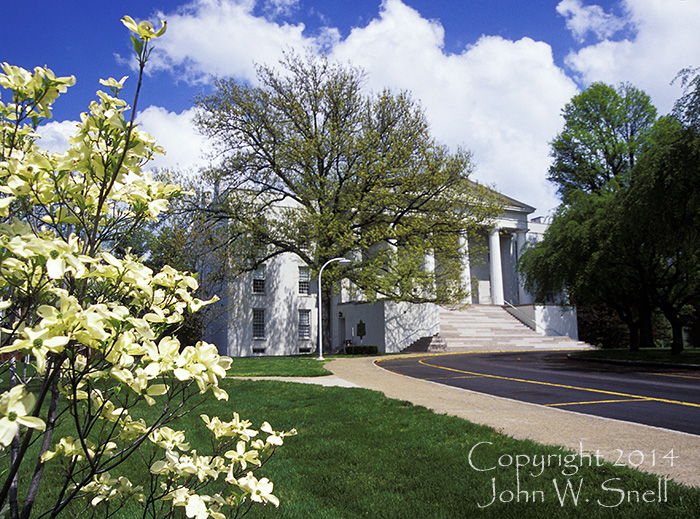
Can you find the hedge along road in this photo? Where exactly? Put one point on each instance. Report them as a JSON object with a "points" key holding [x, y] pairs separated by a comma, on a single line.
{"points": [[661, 397]]}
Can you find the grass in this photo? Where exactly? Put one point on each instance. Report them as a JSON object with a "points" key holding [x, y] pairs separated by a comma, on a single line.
{"points": [[296, 366], [656, 355], [360, 454]]}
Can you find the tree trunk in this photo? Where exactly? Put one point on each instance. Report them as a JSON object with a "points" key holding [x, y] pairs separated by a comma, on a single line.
{"points": [[634, 334], [646, 328], [46, 445], [627, 316], [677, 344], [326, 326], [676, 323]]}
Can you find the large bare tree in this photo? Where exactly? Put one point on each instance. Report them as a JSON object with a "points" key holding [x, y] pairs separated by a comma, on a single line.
{"points": [[310, 163]]}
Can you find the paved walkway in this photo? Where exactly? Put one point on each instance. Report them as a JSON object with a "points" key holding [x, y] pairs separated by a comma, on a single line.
{"points": [[613, 440]]}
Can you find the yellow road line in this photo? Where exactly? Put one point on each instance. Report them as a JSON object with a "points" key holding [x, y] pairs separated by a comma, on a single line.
{"points": [[564, 386], [454, 378], [600, 402], [676, 375]]}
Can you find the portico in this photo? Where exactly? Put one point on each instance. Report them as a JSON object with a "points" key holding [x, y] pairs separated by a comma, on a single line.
{"points": [[493, 272]]}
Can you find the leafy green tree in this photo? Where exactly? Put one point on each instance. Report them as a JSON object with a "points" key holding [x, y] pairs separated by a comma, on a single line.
{"points": [[662, 219], [311, 165], [587, 251], [586, 254], [604, 131], [632, 243]]}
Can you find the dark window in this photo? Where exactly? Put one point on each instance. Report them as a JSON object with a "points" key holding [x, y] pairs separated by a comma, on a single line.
{"points": [[305, 324], [304, 280], [259, 281], [258, 323]]}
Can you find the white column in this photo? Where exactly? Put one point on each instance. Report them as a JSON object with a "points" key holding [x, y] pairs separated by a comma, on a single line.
{"points": [[521, 238], [466, 267], [429, 267], [429, 261], [496, 269]]}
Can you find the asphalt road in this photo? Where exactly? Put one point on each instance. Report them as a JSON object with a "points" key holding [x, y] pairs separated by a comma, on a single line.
{"points": [[661, 397]]}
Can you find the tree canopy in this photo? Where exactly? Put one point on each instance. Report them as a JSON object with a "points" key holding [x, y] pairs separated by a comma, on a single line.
{"points": [[604, 130], [313, 165]]}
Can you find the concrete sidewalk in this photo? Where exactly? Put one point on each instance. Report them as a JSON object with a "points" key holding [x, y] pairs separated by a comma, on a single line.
{"points": [[613, 440]]}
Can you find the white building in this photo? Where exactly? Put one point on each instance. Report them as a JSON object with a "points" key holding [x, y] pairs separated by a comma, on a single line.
{"points": [[273, 311]]}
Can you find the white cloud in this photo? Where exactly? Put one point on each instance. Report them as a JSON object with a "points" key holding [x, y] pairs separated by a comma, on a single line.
{"points": [[581, 20], [501, 99], [223, 38], [55, 135], [665, 39], [185, 147]]}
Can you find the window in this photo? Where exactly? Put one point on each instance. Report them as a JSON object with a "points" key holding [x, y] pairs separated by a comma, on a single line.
{"points": [[304, 280], [305, 324], [258, 323], [259, 280]]}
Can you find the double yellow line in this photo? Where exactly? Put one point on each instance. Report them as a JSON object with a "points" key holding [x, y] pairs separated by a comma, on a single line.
{"points": [[625, 396]]}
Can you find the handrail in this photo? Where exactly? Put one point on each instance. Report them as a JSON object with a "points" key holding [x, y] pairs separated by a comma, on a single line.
{"points": [[537, 327], [527, 317]]}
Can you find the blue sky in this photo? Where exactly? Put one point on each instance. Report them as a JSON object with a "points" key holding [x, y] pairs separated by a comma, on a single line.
{"points": [[491, 75]]}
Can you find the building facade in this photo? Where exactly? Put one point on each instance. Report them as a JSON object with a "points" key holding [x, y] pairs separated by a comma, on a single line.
{"points": [[274, 310]]}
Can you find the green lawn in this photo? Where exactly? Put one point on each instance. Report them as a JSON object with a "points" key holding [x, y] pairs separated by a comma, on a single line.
{"points": [[360, 454], [296, 366], [661, 355]]}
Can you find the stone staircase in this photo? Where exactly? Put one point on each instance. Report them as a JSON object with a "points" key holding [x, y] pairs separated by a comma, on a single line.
{"points": [[434, 344], [486, 327]]}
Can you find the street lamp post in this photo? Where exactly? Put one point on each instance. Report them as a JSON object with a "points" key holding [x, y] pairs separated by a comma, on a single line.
{"points": [[342, 261]]}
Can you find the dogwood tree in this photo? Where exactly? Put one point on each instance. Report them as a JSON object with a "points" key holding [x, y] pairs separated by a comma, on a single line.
{"points": [[87, 340]]}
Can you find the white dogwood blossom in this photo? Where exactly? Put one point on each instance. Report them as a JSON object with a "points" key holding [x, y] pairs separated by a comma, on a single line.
{"points": [[15, 406]]}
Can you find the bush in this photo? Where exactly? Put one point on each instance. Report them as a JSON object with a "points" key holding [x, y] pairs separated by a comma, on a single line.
{"points": [[361, 349]]}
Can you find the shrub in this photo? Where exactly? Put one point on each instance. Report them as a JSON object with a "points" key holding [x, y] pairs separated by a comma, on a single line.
{"points": [[361, 349]]}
